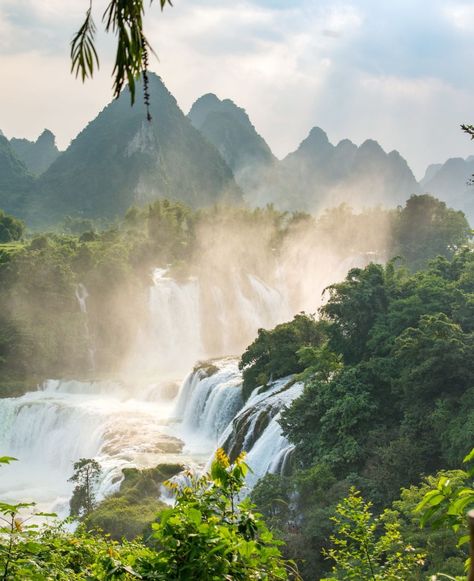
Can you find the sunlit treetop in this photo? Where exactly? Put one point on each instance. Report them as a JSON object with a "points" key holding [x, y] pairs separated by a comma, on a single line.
{"points": [[123, 18]]}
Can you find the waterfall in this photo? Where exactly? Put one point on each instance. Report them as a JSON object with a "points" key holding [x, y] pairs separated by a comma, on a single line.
{"points": [[208, 401], [255, 430], [136, 426], [50, 429], [211, 411], [176, 325], [82, 295], [202, 318], [210, 315]]}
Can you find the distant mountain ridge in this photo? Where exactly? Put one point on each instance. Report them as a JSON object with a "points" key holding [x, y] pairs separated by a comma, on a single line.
{"points": [[37, 155], [451, 182], [213, 154], [230, 130], [121, 159], [317, 173]]}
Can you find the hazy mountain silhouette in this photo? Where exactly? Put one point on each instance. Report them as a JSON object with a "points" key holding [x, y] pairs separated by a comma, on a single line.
{"points": [[214, 154], [37, 155], [121, 159], [230, 130], [450, 182], [319, 174]]}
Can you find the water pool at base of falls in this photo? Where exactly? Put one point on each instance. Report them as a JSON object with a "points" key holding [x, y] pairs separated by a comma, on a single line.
{"points": [[125, 426]]}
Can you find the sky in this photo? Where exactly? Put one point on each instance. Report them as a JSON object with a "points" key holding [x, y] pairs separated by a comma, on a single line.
{"points": [[396, 71]]}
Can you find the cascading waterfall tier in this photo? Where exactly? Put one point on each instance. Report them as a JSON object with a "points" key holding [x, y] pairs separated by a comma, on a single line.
{"points": [[209, 399], [200, 318], [210, 407], [256, 430], [50, 429]]}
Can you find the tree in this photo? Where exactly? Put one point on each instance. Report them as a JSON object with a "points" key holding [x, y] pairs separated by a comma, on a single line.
{"points": [[353, 308], [426, 227], [11, 228], [209, 534], [274, 354], [441, 544], [368, 547], [445, 505], [124, 18], [86, 474]]}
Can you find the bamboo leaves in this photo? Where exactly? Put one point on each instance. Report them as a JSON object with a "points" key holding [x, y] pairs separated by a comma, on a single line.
{"points": [[123, 18], [83, 53]]}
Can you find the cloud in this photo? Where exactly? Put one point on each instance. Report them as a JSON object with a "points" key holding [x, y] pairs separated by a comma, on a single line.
{"points": [[397, 72], [461, 16]]}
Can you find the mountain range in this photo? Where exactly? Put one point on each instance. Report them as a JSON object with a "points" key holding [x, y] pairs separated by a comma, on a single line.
{"points": [[211, 155]]}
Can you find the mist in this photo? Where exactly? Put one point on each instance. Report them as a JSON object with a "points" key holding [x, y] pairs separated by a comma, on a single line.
{"points": [[249, 269]]}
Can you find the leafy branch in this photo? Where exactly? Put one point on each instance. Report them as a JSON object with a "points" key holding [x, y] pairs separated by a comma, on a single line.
{"points": [[123, 18], [83, 52], [469, 129]]}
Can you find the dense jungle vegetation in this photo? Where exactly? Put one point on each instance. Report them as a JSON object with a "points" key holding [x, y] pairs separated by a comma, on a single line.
{"points": [[387, 403], [42, 331], [380, 431]]}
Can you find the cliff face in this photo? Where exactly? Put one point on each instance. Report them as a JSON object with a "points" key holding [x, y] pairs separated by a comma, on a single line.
{"points": [[230, 130]]}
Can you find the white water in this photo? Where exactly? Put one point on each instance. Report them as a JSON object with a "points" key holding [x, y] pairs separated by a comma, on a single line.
{"points": [[198, 319], [48, 430], [82, 295], [207, 404], [217, 313], [266, 451], [122, 425]]}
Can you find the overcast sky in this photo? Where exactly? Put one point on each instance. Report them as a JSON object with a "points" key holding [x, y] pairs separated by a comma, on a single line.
{"points": [[397, 71]]}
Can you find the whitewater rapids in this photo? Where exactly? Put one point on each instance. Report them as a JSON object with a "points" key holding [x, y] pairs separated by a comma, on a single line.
{"points": [[49, 429]]}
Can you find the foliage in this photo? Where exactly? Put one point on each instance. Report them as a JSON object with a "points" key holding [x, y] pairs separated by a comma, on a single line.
{"points": [[425, 227], [392, 379], [207, 535], [298, 508], [368, 547], [407, 348], [271, 496], [129, 512], [274, 354], [354, 306], [440, 543], [86, 474], [125, 19], [446, 504], [11, 228]]}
